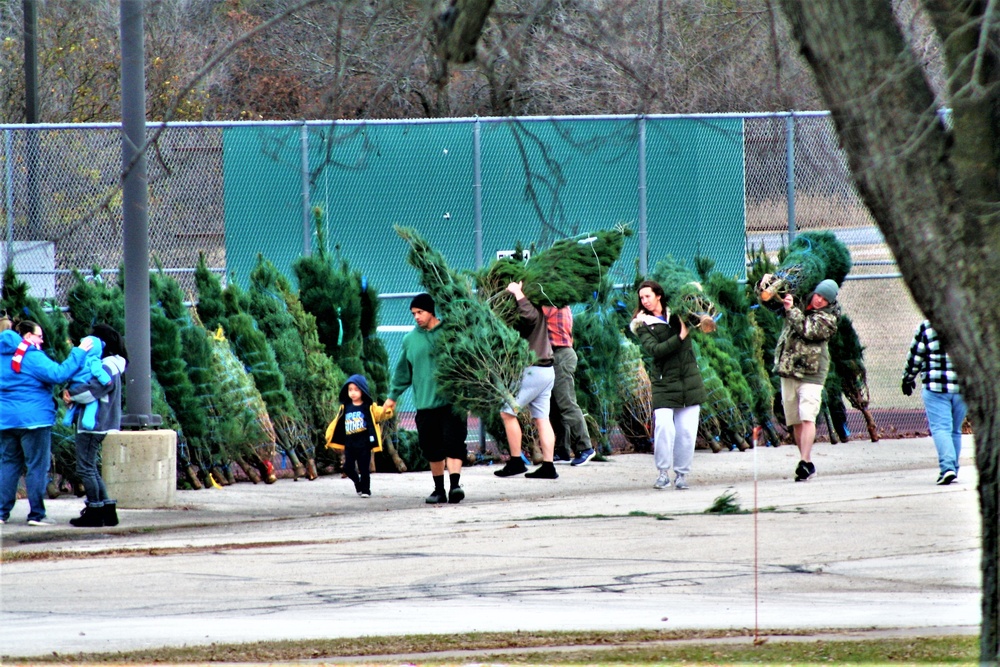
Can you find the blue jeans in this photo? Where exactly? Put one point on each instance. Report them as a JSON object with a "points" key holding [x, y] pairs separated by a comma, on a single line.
{"points": [[945, 414], [88, 449], [25, 449]]}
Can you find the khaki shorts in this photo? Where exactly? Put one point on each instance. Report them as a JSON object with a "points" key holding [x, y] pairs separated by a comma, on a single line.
{"points": [[801, 400]]}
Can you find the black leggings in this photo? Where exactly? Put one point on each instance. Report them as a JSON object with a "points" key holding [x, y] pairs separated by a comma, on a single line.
{"points": [[357, 462]]}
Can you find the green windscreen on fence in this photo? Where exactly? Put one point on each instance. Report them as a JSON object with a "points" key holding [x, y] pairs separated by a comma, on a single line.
{"points": [[694, 186], [548, 179], [368, 178], [262, 179], [540, 180]]}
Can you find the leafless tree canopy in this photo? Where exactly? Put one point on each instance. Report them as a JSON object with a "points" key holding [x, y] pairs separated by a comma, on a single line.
{"points": [[392, 59]]}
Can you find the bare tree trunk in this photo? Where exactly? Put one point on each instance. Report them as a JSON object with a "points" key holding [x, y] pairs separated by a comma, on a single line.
{"points": [[459, 26], [933, 193]]}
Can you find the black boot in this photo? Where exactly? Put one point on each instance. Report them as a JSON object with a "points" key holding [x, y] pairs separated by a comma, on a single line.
{"points": [[90, 517], [110, 513]]}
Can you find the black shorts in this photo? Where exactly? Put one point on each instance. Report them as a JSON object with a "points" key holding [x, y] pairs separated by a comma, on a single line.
{"points": [[441, 434]]}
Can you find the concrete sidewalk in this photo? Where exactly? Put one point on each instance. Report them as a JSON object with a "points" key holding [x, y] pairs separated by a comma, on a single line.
{"points": [[871, 542]]}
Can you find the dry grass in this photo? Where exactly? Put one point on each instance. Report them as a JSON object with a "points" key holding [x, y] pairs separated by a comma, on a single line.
{"points": [[638, 647], [811, 213]]}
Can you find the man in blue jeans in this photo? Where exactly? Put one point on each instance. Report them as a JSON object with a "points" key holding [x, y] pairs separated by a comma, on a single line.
{"points": [[942, 397]]}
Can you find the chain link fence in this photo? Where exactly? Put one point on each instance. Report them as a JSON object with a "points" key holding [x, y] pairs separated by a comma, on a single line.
{"points": [[714, 185]]}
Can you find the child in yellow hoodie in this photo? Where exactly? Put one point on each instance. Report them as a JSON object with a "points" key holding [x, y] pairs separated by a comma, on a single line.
{"points": [[356, 431]]}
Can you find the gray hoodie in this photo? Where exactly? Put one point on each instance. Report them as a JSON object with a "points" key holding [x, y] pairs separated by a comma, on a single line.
{"points": [[109, 412]]}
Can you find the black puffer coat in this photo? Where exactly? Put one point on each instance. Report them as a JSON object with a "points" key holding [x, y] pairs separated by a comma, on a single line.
{"points": [[676, 378]]}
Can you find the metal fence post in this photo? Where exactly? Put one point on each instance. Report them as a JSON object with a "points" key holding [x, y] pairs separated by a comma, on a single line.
{"points": [[306, 229], [9, 192], [643, 238], [790, 172], [477, 192], [477, 221]]}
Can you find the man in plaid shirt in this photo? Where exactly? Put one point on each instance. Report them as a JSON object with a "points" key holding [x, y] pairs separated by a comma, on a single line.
{"points": [[572, 426], [942, 397]]}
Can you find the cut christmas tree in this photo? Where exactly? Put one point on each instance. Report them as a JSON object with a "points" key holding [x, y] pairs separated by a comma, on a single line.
{"points": [[481, 359], [569, 271]]}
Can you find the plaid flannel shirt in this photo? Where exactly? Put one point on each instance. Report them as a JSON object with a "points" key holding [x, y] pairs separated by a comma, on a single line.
{"points": [[560, 325], [933, 363]]}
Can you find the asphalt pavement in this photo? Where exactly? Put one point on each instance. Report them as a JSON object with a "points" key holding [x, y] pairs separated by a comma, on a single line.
{"points": [[871, 542]]}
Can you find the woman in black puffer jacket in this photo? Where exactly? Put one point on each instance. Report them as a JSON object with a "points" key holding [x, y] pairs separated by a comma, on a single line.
{"points": [[678, 390]]}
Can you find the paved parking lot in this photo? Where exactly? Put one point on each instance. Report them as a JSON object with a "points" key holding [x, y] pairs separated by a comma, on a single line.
{"points": [[871, 542]]}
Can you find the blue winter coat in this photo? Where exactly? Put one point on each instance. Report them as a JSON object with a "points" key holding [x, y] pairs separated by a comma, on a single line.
{"points": [[26, 399]]}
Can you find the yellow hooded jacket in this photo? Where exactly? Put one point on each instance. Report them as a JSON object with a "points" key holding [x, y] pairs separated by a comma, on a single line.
{"points": [[335, 436]]}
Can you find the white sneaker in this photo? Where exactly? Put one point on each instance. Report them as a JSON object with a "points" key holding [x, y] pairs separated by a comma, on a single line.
{"points": [[663, 481], [680, 482], [40, 522]]}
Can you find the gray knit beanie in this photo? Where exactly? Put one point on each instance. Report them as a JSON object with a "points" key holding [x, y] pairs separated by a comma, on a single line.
{"points": [[827, 289]]}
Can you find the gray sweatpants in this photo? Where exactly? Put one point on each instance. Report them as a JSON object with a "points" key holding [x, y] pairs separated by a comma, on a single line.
{"points": [[674, 433]]}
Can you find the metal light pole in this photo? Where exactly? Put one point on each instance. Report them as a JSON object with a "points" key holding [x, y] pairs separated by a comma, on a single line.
{"points": [[32, 146], [135, 202]]}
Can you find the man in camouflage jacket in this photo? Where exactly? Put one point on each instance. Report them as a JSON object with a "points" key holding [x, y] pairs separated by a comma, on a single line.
{"points": [[802, 359]]}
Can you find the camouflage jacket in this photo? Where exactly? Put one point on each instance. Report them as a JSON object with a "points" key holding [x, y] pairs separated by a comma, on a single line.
{"points": [[802, 350]]}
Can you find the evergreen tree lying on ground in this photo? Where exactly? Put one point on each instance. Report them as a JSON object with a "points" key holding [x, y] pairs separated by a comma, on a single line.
{"points": [[241, 414], [223, 308], [167, 362], [313, 379], [196, 352]]}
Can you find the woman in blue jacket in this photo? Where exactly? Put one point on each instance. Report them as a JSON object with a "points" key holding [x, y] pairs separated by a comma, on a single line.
{"points": [[27, 413]]}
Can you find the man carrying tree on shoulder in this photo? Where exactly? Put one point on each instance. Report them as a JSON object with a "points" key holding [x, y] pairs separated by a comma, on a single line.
{"points": [[802, 360], [535, 394], [440, 431]]}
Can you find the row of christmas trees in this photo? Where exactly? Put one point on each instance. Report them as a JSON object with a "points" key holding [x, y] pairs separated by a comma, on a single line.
{"points": [[244, 374]]}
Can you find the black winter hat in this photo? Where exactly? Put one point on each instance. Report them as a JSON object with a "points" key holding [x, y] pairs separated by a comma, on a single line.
{"points": [[423, 302], [113, 341]]}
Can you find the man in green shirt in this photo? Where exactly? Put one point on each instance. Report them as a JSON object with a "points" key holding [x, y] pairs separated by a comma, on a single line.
{"points": [[440, 430]]}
